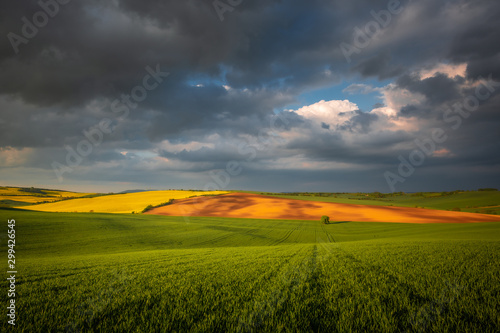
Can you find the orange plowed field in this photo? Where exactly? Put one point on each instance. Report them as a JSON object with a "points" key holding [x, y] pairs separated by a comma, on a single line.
{"points": [[244, 205]]}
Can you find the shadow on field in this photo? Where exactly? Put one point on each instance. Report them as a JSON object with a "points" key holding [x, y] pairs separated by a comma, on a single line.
{"points": [[339, 222], [245, 205]]}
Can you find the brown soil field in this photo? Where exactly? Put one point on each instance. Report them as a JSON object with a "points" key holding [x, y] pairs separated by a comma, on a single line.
{"points": [[245, 205]]}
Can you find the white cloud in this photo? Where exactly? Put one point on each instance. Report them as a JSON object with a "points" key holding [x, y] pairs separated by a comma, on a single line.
{"points": [[340, 112], [330, 112], [396, 98]]}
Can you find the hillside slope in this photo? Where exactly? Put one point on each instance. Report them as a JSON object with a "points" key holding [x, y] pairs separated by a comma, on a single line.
{"points": [[245, 205]]}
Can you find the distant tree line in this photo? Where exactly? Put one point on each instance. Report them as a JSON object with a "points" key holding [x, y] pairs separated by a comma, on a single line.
{"points": [[32, 190], [150, 207]]}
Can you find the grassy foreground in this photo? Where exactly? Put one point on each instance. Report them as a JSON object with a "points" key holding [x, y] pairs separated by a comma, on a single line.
{"points": [[143, 273]]}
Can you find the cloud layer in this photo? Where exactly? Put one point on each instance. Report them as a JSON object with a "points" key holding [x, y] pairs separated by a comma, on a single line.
{"points": [[234, 93]]}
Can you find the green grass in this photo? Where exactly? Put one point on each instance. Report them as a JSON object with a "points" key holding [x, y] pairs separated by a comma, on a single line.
{"points": [[486, 202], [143, 273], [13, 203]]}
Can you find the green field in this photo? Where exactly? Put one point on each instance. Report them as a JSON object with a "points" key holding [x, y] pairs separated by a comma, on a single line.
{"points": [[485, 202], [80, 272]]}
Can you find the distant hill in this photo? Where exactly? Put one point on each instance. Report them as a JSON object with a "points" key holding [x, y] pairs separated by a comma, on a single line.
{"points": [[134, 191], [22, 196]]}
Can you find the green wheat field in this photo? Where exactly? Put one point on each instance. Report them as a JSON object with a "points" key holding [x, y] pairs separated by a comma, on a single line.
{"points": [[96, 272]]}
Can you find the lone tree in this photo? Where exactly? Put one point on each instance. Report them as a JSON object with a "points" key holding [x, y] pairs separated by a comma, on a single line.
{"points": [[325, 219]]}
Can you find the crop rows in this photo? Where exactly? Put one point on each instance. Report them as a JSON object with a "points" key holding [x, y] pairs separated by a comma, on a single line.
{"points": [[309, 287], [124, 274]]}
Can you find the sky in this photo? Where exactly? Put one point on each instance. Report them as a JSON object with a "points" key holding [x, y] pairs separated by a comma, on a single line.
{"points": [[316, 95]]}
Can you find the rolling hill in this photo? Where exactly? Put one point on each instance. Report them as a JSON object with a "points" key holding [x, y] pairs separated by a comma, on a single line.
{"points": [[118, 203]]}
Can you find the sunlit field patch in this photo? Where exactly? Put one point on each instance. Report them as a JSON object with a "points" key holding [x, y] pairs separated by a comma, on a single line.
{"points": [[245, 205], [33, 195], [118, 203]]}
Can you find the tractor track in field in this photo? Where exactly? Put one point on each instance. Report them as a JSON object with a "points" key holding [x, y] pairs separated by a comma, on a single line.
{"points": [[229, 234], [213, 240], [424, 302], [330, 237], [285, 237], [290, 279]]}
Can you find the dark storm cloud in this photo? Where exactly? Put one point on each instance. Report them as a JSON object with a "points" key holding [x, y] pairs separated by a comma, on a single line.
{"points": [[94, 50], [331, 146], [436, 89], [380, 65], [477, 43], [213, 109], [360, 122], [265, 53]]}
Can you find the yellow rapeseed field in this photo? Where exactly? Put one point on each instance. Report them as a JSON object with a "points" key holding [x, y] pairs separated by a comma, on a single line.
{"points": [[118, 203], [16, 194]]}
